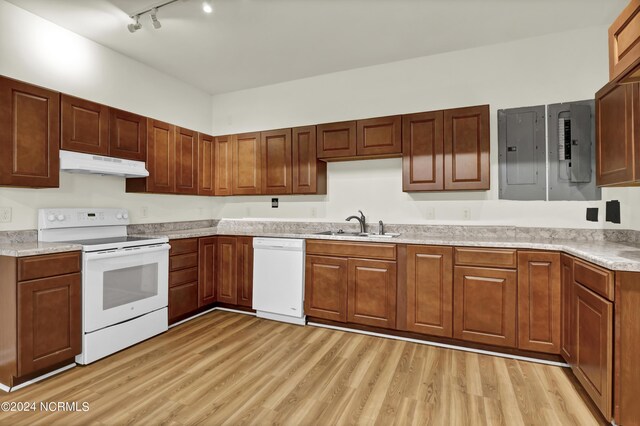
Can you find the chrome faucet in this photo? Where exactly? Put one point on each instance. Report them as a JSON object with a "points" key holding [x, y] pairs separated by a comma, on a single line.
{"points": [[360, 219], [380, 227]]}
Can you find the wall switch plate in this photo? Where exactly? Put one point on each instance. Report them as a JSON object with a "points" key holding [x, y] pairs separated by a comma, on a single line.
{"points": [[314, 212], [144, 212], [5, 214], [274, 203], [466, 214]]}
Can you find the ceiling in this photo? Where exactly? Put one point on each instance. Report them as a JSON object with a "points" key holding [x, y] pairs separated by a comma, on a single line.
{"points": [[251, 43]]}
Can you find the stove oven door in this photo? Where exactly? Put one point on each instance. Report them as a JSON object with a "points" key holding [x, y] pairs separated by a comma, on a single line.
{"points": [[119, 285]]}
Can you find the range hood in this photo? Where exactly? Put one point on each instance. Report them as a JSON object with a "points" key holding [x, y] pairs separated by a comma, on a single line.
{"points": [[75, 162]]}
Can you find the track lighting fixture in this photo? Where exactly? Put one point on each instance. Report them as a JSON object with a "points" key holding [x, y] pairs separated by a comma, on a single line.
{"points": [[207, 7], [154, 19], [133, 27]]}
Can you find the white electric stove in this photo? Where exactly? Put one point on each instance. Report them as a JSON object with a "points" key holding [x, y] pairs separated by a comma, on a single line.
{"points": [[124, 279]]}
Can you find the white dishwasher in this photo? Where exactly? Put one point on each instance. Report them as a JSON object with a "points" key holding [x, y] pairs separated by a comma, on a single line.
{"points": [[278, 279]]}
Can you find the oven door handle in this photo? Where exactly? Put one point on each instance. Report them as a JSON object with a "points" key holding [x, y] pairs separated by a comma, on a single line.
{"points": [[125, 252]]}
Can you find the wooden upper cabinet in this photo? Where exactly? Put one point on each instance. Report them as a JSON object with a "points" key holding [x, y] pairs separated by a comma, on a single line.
{"points": [[186, 161], [567, 347], [206, 165], [379, 136], [276, 162], [227, 262], [539, 297], [423, 152], [336, 140], [429, 291], [224, 165], [624, 44], [127, 135], [161, 157], [466, 148], [84, 126], [309, 174], [29, 135], [245, 271], [485, 305], [247, 164], [618, 135], [325, 294]]}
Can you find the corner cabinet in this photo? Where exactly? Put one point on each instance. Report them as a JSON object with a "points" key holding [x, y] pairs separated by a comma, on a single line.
{"points": [[206, 165], [186, 161], [224, 165], [29, 135]]}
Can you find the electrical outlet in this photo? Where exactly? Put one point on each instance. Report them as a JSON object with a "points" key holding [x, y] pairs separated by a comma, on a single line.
{"points": [[466, 214], [314, 212], [5, 214], [431, 213], [144, 212]]}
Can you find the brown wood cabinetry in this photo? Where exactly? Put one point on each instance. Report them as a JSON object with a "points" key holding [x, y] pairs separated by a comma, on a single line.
{"points": [[186, 161], [379, 136], [618, 135], [40, 314], [184, 292], [429, 290], [567, 348], [624, 44], [29, 135], [326, 287], [372, 292], [466, 148], [206, 165], [276, 162], [539, 301], [161, 160], [227, 285], [423, 152], [484, 305], [309, 174], [84, 126], [127, 135], [245, 271], [224, 165], [337, 140], [247, 164], [207, 269]]}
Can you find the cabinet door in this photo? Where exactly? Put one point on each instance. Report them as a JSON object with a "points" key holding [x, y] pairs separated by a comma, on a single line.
{"points": [[422, 152], [227, 285], [430, 290], [466, 148], [161, 157], [624, 42], [127, 135], [84, 126], [206, 165], [593, 362], [29, 135], [484, 305], [309, 174], [49, 322], [372, 293], [247, 165], [568, 330], [539, 293], [326, 288], [186, 161], [245, 271], [616, 153], [207, 270], [183, 300], [379, 136], [337, 140], [276, 162], [224, 165]]}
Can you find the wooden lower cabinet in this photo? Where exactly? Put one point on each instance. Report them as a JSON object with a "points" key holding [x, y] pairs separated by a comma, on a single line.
{"points": [[326, 287], [372, 292], [245, 271], [567, 347], [429, 290], [484, 305], [227, 285], [539, 294], [184, 278], [593, 359], [207, 269], [183, 300]]}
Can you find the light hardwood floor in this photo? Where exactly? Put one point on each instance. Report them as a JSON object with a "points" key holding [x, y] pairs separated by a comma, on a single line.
{"points": [[228, 368]]}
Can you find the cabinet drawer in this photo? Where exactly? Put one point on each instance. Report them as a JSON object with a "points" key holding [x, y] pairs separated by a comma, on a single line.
{"points": [[352, 249], [594, 278], [189, 245], [183, 276], [499, 258], [31, 268], [183, 261], [183, 300]]}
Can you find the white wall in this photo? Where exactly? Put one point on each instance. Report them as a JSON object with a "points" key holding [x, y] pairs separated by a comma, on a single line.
{"points": [[543, 70], [39, 52]]}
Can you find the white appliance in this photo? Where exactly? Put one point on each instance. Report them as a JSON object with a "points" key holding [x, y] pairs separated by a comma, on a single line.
{"points": [[76, 162], [278, 279], [124, 279]]}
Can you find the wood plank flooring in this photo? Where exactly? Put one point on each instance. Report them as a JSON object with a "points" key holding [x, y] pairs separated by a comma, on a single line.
{"points": [[228, 368]]}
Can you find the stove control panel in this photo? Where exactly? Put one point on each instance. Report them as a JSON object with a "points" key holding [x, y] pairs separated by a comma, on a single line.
{"points": [[76, 218]]}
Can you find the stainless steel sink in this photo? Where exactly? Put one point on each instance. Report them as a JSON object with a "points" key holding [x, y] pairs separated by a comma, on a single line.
{"points": [[357, 234]]}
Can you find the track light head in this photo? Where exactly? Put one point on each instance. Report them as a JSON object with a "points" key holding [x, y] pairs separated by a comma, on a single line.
{"points": [[206, 7], [133, 27], [154, 19]]}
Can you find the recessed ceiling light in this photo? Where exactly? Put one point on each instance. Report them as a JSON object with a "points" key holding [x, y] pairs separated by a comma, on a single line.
{"points": [[206, 6]]}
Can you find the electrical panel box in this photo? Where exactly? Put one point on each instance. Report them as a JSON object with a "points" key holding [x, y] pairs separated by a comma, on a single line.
{"points": [[521, 153], [571, 137]]}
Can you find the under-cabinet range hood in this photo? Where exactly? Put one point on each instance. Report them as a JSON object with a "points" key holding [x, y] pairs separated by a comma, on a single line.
{"points": [[75, 162]]}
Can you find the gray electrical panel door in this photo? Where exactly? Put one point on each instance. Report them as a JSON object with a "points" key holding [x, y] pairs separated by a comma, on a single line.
{"points": [[521, 153], [572, 151]]}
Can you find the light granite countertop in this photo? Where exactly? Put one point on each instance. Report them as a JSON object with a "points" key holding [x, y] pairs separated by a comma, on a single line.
{"points": [[612, 255], [34, 248]]}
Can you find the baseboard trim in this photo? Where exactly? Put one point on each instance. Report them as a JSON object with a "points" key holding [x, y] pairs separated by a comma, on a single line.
{"points": [[37, 379], [215, 308], [441, 345]]}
